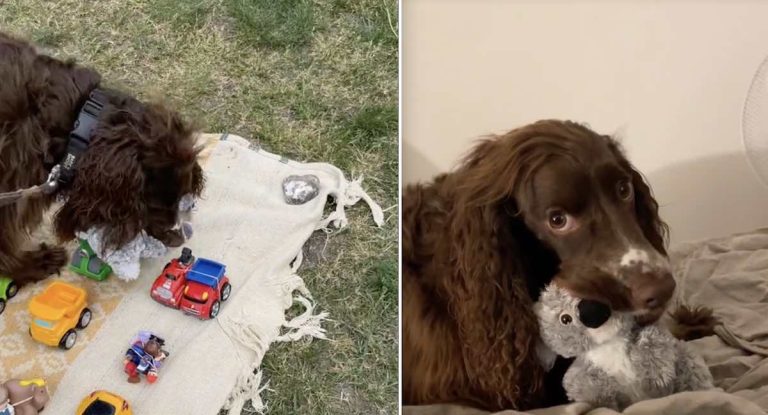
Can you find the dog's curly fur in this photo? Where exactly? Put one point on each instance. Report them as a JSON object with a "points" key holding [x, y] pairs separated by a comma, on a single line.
{"points": [[472, 267], [141, 160]]}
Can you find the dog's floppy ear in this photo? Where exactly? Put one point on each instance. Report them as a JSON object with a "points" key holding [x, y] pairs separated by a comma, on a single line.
{"points": [[485, 280], [647, 210], [108, 190], [593, 314], [646, 207], [85, 79]]}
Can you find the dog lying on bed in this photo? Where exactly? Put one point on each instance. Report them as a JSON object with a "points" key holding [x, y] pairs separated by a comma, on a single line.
{"points": [[124, 164], [481, 242]]}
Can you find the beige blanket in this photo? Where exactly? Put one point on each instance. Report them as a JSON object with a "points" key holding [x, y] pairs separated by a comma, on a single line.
{"points": [[731, 276], [241, 220]]}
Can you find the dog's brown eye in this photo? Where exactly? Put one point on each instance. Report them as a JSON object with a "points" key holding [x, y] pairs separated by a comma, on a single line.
{"points": [[557, 219], [560, 222], [566, 319], [624, 189]]}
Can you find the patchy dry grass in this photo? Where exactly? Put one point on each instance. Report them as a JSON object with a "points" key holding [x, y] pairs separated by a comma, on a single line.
{"points": [[309, 79]]}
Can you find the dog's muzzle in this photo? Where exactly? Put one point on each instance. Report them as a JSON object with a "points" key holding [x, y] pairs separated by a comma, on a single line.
{"points": [[647, 275]]}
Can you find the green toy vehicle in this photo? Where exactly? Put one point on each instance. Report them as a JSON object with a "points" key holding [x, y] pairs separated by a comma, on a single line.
{"points": [[8, 290], [86, 263]]}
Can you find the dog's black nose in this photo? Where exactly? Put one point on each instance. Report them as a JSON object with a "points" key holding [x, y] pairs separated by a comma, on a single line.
{"points": [[655, 292], [593, 313]]}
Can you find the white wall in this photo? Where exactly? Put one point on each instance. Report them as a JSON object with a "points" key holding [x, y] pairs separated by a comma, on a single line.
{"points": [[670, 75]]}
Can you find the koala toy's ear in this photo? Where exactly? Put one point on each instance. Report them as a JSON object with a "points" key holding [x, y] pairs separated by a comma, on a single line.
{"points": [[593, 313]]}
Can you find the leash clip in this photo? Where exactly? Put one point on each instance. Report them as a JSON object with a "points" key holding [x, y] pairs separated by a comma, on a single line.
{"points": [[52, 182]]}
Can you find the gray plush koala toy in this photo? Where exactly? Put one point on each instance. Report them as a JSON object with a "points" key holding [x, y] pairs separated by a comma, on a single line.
{"points": [[618, 362]]}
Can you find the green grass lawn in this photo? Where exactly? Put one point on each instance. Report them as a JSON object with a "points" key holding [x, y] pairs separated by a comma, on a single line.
{"points": [[314, 80]]}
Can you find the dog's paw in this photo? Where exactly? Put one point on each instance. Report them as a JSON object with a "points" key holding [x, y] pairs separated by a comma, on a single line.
{"points": [[47, 260], [40, 264], [53, 258]]}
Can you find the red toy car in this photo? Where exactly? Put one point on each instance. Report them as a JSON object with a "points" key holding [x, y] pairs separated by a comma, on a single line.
{"points": [[197, 287]]}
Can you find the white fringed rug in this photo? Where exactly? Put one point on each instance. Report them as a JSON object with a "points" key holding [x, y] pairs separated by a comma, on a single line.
{"points": [[242, 221]]}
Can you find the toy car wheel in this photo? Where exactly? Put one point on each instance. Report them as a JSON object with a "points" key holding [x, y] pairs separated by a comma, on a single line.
{"points": [[85, 318], [2, 306], [11, 290], [226, 290], [69, 339], [215, 308]]}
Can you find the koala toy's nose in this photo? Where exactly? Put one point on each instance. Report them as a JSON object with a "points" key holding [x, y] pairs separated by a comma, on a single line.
{"points": [[593, 313]]}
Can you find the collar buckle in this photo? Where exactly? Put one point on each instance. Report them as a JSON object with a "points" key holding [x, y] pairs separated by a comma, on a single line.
{"points": [[80, 136]]}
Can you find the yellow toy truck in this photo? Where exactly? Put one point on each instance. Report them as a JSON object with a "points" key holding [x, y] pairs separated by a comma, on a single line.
{"points": [[56, 312], [103, 402]]}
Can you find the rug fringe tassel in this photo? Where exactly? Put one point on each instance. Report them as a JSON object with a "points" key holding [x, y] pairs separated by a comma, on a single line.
{"points": [[248, 388], [350, 193], [306, 325]]}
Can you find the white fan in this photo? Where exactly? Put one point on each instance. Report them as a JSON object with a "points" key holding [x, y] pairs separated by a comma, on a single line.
{"points": [[754, 123]]}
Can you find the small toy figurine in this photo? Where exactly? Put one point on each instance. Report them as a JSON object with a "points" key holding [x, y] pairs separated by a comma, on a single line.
{"points": [[8, 290], [196, 286], [23, 397], [144, 357], [618, 362], [86, 263], [56, 312], [103, 402]]}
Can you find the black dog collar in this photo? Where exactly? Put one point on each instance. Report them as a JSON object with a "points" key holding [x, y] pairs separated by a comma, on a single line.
{"points": [[80, 136]]}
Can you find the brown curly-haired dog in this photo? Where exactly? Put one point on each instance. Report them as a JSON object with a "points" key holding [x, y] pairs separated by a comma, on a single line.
{"points": [[479, 243], [141, 160]]}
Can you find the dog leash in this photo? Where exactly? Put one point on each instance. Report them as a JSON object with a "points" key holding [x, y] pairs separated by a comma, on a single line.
{"points": [[19, 196]]}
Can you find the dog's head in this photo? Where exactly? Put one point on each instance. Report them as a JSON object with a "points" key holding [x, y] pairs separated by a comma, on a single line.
{"points": [[575, 191], [141, 161]]}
